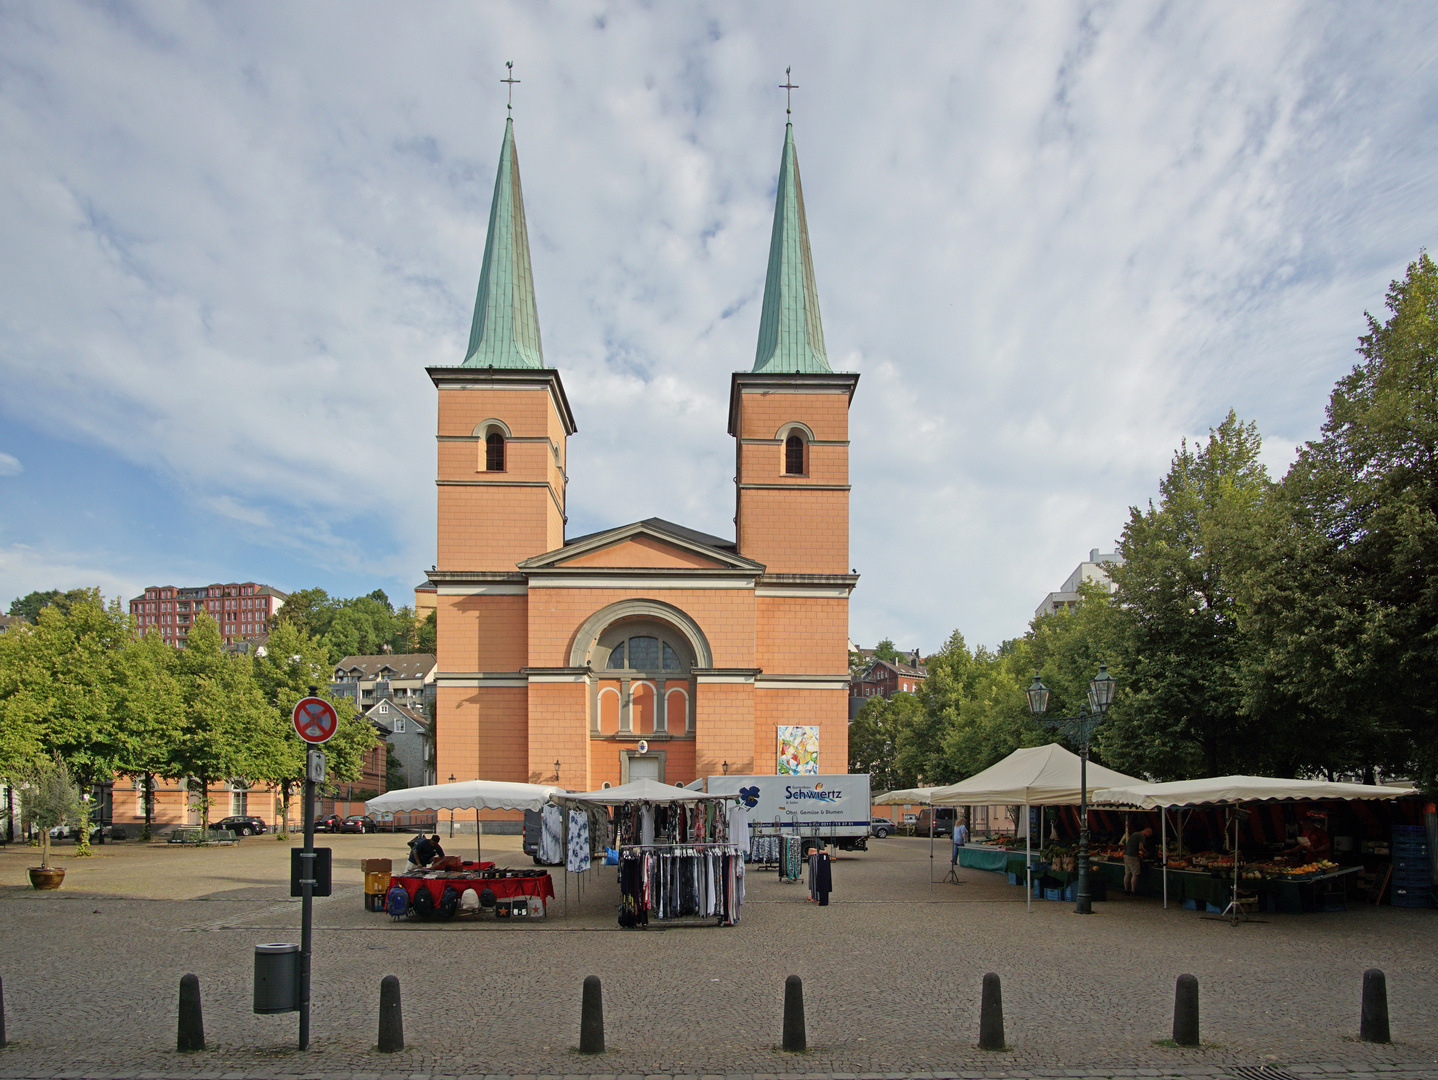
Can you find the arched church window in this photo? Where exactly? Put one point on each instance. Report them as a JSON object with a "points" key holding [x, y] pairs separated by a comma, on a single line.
{"points": [[644, 653], [616, 656], [794, 456], [494, 452], [671, 659]]}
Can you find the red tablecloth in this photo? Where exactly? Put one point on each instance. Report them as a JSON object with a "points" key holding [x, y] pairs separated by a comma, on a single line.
{"points": [[504, 888]]}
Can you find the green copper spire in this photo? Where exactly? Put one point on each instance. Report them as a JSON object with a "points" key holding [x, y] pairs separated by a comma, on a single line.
{"points": [[505, 332], [791, 338]]}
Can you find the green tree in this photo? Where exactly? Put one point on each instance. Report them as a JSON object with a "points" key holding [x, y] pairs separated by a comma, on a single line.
{"points": [[29, 606], [874, 740], [56, 680], [886, 650], [1348, 610], [1180, 647], [309, 610], [148, 710], [294, 662], [224, 717], [427, 634], [49, 798]]}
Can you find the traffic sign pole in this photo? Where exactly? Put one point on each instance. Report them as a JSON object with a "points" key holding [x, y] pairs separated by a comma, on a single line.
{"points": [[315, 720], [307, 899]]}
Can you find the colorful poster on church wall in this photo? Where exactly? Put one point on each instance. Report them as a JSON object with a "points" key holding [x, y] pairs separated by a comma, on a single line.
{"points": [[798, 750]]}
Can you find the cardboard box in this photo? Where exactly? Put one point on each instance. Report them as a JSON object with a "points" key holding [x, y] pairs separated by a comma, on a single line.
{"points": [[375, 866]]}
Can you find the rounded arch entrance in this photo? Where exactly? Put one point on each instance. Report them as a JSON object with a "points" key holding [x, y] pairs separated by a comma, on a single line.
{"points": [[641, 656]]}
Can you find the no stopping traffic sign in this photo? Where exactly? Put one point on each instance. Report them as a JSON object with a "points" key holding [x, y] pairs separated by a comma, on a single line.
{"points": [[315, 719]]}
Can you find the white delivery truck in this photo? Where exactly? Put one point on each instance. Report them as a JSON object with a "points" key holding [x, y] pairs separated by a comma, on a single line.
{"points": [[832, 809]]}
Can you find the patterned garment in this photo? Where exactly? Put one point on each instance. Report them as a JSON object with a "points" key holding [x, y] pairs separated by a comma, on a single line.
{"points": [[578, 860], [551, 836]]}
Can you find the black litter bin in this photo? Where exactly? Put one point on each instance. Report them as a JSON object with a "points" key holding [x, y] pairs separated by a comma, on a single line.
{"points": [[277, 978]]}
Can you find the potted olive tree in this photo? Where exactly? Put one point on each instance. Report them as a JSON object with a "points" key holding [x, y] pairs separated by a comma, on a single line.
{"points": [[49, 798]]}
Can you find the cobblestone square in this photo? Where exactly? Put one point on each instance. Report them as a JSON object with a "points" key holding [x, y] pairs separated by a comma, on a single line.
{"points": [[891, 970]]}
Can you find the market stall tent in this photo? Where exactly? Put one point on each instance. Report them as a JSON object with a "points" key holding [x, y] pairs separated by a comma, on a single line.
{"points": [[473, 795], [1034, 776], [1228, 791], [1219, 790], [641, 790], [466, 795], [918, 796]]}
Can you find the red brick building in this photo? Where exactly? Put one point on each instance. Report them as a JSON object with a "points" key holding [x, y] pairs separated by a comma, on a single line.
{"points": [[241, 608]]}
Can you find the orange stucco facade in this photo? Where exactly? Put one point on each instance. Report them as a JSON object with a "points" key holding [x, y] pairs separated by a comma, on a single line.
{"points": [[558, 658]]}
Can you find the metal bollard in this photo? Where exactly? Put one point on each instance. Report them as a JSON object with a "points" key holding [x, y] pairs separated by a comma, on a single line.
{"points": [[192, 1023], [991, 1014], [591, 1017], [796, 1039], [391, 1016], [1185, 1011], [1373, 1021]]}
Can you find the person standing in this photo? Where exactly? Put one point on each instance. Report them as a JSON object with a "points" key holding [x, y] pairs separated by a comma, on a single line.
{"points": [[961, 837], [1133, 859]]}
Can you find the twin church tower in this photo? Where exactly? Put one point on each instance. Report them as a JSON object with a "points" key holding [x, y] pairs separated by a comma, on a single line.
{"points": [[650, 649]]}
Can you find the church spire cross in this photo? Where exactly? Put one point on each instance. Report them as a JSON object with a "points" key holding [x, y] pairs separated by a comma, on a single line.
{"points": [[788, 86], [511, 80]]}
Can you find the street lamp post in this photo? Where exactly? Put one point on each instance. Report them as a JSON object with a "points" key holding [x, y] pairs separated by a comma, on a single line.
{"points": [[1079, 729]]}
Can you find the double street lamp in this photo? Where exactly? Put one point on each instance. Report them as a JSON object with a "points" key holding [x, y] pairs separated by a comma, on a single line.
{"points": [[1079, 730]]}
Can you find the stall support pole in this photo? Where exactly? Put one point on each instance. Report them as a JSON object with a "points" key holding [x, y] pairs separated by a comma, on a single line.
{"points": [[1028, 858], [1163, 833], [931, 851], [478, 843]]}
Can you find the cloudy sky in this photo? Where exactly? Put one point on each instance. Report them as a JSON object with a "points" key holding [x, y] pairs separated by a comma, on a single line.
{"points": [[1055, 239]]}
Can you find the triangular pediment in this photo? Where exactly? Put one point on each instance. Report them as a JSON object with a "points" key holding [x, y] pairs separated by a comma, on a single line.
{"points": [[644, 545]]}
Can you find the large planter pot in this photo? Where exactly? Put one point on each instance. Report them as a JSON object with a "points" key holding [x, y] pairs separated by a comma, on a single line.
{"points": [[46, 877]]}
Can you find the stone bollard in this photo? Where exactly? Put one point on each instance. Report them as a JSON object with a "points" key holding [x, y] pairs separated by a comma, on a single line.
{"points": [[1185, 1011], [591, 1017], [1373, 1021], [796, 1039], [192, 1022], [991, 1014], [391, 1016]]}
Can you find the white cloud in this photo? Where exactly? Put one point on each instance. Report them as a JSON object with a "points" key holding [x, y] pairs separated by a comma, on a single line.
{"points": [[10, 465], [1053, 239]]}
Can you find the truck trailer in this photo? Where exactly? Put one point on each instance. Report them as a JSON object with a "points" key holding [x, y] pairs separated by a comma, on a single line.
{"points": [[831, 809]]}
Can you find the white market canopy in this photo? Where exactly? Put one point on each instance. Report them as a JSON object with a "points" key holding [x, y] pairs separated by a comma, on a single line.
{"points": [[642, 790], [914, 796], [1034, 776], [1238, 789], [465, 795]]}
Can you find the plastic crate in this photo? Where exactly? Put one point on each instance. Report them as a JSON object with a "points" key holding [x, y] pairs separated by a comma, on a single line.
{"points": [[1190, 904], [1413, 898], [1213, 909], [1014, 879], [1410, 830], [1053, 894]]}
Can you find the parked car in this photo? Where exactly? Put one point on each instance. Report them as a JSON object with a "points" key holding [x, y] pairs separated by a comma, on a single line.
{"points": [[241, 825], [911, 819], [357, 823], [328, 823], [881, 827], [112, 832], [943, 819]]}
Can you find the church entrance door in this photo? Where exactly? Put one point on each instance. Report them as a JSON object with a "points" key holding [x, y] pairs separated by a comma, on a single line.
{"points": [[645, 768]]}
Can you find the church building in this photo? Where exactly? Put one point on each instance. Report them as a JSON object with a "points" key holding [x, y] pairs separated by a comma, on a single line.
{"points": [[648, 649]]}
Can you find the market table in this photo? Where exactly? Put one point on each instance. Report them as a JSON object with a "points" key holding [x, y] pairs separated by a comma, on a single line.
{"points": [[982, 857], [535, 883]]}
